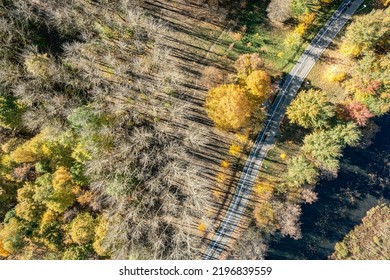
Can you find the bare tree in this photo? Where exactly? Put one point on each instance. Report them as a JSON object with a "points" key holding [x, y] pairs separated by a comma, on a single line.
{"points": [[279, 11]]}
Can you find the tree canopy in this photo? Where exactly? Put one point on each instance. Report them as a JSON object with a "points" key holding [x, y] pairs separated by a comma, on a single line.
{"points": [[311, 109], [369, 240], [229, 107]]}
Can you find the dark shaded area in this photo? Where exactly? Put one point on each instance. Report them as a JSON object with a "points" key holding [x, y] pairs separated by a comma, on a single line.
{"points": [[343, 202]]}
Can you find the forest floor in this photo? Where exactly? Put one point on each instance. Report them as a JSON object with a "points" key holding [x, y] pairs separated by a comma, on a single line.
{"points": [[199, 38], [194, 32]]}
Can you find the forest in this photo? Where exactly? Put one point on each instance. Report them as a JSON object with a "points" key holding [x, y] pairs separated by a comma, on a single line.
{"points": [[104, 144], [95, 156]]}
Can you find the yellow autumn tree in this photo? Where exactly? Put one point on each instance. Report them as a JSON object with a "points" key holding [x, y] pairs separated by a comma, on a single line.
{"points": [[366, 33], [234, 149], [307, 18], [82, 228], [258, 84], [265, 215], [300, 29], [31, 150], [100, 234], [57, 191], [28, 208], [264, 190], [12, 235], [48, 218], [3, 252], [202, 227], [335, 74], [229, 107]]}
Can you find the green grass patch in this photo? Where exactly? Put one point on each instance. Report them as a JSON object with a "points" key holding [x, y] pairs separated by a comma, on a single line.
{"points": [[258, 36]]}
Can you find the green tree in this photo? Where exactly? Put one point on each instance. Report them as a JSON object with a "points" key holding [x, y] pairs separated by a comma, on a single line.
{"points": [[28, 208], [83, 252], [346, 134], [311, 109], [323, 150], [299, 7], [10, 112], [8, 194], [56, 191], [367, 32], [13, 234], [301, 172], [324, 147]]}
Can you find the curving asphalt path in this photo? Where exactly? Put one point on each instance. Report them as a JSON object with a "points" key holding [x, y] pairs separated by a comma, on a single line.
{"points": [[267, 137]]}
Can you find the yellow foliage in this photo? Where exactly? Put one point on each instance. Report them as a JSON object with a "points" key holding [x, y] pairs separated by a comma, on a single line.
{"points": [[234, 150], [221, 177], [48, 218], [80, 154], [293, 39], [225, 164], [100, 234], [334, 74], [64, 190], [283, 156], [242, 137], [236, 36], [86, 198], [264, 215], [3, 252], [202, 227], [31, 150], [350, 50], [38, 65], [300, 29], [307, 18], [280, 54], [217, 194], [12, 235], [62, 178], [259, 85], [229, 107], [82, 228], [327, 1], [46, 150], [25, 153], [28, 208], [6, 161], [264, 190]]}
